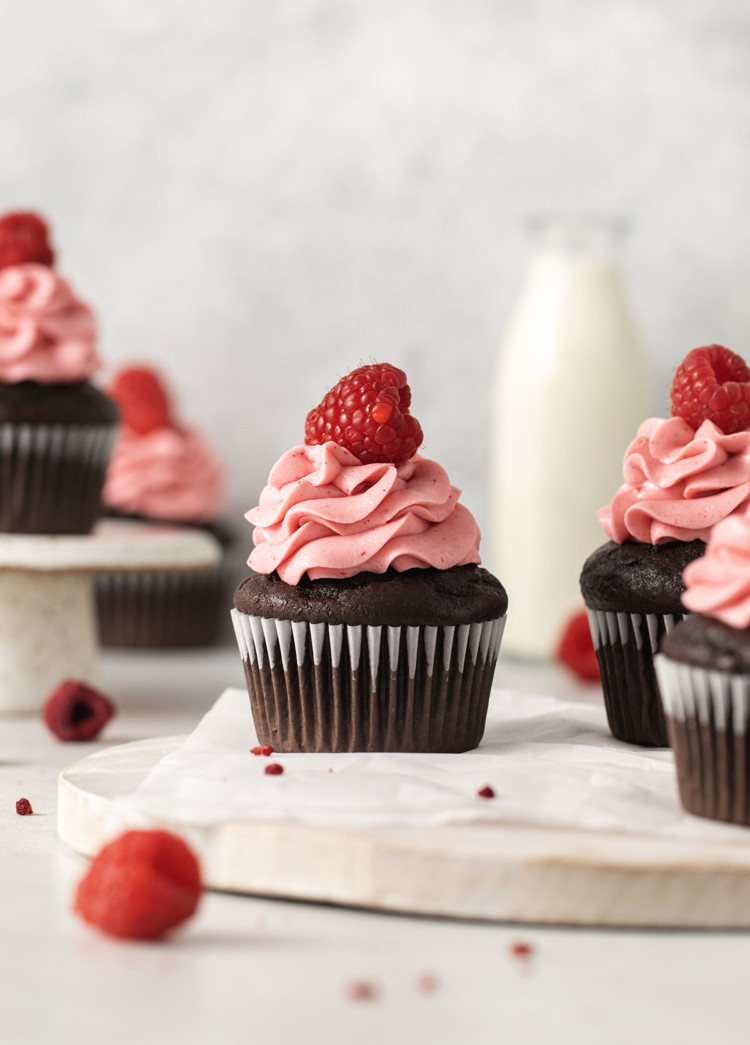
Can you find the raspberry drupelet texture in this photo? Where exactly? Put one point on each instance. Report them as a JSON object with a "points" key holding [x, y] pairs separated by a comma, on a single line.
{"points": [[24, 238], [142, 398], [75, 711], [713, 384], [367, 413], [140, 886]]}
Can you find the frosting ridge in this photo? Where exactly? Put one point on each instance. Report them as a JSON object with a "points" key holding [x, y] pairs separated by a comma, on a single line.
{"points": [[718, 584], [679, 483], [325, 514], [169, 474], [46, 333]]}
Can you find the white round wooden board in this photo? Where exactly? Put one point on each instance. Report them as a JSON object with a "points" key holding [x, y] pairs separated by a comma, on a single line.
{"points": [[484, 871]]}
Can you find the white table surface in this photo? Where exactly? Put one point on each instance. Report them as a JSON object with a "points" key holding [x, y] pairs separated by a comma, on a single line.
{"points": [[252, 970]]}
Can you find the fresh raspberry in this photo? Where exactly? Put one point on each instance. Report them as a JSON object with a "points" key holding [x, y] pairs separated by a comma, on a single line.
{"points": [[264, 749], [140, 886], [712, 384], [142, 398], [24, 237], [274, 769], [576, 649], [367, 412], [486, 792], [75, 711], [23, 807]]}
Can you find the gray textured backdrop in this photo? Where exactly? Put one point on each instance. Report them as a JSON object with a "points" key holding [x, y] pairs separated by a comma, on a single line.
{"points": [[260, 194]]}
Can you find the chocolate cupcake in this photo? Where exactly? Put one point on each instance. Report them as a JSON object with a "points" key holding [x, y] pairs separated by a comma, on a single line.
{"points": [[56, 428], [166, 473], [682, 475], [704, 678], [370, 625]]}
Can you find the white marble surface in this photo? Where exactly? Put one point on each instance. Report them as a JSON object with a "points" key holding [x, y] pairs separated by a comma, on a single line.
{"points": [[260, 196], [253, 970]]}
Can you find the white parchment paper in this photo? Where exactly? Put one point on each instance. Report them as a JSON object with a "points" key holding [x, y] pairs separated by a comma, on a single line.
{"points": [[549, 762]]}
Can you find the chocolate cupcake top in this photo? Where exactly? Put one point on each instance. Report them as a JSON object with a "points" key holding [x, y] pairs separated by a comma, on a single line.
{"points": [[638, 578], [707, 643], [79, 403], [460, 595]]}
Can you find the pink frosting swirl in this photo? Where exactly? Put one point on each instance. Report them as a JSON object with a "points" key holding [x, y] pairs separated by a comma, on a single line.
{"points": [[326, 514], [718, 584], [167, 474], [46, 333], [678, 482]]}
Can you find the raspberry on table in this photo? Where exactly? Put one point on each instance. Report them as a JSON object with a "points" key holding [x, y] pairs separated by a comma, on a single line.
{"points": [[486, 792], [23, 807], [367, 413], [274, 769], [140, 886], [75, 711], [262, 749], [144, 404], [24, 238], [576, 648], [713, 384]]}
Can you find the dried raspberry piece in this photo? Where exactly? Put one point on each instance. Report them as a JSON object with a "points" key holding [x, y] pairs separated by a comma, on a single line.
{"points": [[521, 949], [367, 413], [140, 886], [713, 384], [486, 792], [23, 807], [576, 648], [144, 404], [75, 711], [24, 237], [274, 769], [362, 990], [264, 749], [428, 983]]}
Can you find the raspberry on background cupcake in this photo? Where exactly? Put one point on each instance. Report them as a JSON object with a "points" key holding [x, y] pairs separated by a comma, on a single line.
{"points": [[704, 678], [161, 472], [369, 624], [682, 476], [56, 428]]}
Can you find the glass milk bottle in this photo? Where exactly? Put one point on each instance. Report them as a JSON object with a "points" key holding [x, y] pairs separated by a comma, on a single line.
{"points": [[569, 392]]}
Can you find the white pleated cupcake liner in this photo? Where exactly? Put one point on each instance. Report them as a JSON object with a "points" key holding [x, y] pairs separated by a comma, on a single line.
{"points": [[161, 608], [51, 476], [625, 645], [326, 687], [707, 714]]}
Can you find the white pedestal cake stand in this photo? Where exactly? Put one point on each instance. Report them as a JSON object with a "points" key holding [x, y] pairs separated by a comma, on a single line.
{"points": [[47, 612]]}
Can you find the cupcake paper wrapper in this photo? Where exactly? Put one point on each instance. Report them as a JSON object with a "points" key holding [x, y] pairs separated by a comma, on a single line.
{"points": [[625, 645], [51, 476], [336, 687], [161, 609], [707, 716]]}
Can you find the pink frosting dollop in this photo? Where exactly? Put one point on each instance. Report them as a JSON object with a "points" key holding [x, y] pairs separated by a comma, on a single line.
{"points": [[46, 333], [325, 514], [718, 584], [169, 474], [678, 482]]}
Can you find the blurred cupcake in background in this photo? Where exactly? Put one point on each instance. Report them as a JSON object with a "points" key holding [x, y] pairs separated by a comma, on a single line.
{"points": [[161, 472], [56, 428]]}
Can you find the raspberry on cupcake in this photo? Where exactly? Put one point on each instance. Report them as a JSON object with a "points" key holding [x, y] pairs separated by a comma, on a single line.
{"points": [[56, 428], [682, 475], [369, 624]]}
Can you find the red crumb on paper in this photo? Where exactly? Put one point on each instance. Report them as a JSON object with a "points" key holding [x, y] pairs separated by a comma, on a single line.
{"points": [[362, 990], [75, 711], [428, 983], [262, 749], [486, 792], [23, 807], [576, 648], [140, 886], [521, 949], [274, 769]]}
